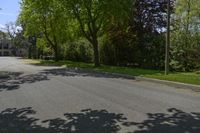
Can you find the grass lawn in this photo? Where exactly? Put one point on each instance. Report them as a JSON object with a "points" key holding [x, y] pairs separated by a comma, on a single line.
{"points": [[190, 77]]}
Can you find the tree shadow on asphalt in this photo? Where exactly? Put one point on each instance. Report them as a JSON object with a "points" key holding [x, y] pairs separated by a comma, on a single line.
{"points": [[14, 120], [98, 121], [175, 121], [87, 121], [84, 73], [13, 80], [5, 78]]}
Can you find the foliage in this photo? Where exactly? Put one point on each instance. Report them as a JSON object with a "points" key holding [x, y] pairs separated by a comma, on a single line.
{"points": [[78, 51], [94, 16], [43, 49], [141, 42], [118, 32], [185, 37], [45, 19], [118, 46], [16, 35]]}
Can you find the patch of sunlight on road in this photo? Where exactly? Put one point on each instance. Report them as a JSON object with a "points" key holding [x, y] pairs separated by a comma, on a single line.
{"points": [[30, 61]]}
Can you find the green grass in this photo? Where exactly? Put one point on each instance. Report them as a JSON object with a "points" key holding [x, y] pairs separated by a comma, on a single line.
{"points": [[190, 77]]}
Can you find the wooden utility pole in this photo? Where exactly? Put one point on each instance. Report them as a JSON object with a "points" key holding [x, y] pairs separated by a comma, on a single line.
{"points": [[167, 39]]}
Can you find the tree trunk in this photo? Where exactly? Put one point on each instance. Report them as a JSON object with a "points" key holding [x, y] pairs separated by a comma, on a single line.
{"points": [[56, 53], [96, 53]]}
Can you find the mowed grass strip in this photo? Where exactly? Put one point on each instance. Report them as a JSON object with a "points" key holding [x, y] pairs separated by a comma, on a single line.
{"points": [[183, 77]]}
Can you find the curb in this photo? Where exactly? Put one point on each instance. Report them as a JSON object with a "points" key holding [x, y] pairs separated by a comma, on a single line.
{"points": [[178, 85], [165, 82], [171, 83]]}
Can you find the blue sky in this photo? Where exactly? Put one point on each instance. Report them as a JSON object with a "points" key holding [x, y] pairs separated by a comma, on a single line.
{"points": [[9, 12]]}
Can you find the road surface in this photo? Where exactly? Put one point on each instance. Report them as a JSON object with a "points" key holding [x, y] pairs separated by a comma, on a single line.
{"points": [[41, 99]]}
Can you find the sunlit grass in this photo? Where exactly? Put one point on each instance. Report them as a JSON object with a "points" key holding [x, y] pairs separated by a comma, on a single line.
{"points": [[190, 77]]}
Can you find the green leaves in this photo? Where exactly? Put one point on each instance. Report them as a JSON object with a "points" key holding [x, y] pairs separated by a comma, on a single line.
{"points": [[186, 34], [45, 19], [94, 16]]}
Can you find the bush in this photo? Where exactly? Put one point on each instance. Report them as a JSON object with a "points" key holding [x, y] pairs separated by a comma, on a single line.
{"points": [[123, 50], [185, 59], [78, 51], [116, 51]]}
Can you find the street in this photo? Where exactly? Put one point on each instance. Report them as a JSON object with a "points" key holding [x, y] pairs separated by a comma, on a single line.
{"points": [[48, 99]]}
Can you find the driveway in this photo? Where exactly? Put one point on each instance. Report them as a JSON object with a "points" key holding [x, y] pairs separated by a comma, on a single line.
{"points": [[41, 99]]}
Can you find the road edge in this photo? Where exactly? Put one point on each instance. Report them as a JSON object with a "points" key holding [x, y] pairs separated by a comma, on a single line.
{"points": [[165, 82]]}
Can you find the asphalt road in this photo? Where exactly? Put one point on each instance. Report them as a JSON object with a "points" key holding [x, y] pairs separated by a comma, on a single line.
{"points": [[39, 99]]}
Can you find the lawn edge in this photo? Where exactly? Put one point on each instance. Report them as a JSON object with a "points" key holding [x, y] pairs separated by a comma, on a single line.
{"points": [[143, 78], [171, 83], [165, 82]]}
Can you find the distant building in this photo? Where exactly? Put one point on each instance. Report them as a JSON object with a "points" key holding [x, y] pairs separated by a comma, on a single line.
{"points": [[5, 47]]}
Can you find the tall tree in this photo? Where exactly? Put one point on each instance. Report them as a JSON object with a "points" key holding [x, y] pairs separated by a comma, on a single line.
{"points": [[15, 33], [93, 17], [46, 19], [149, 23], [185, 36]]}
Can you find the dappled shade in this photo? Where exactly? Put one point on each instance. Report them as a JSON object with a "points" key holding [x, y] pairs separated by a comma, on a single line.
{"points": [[14, 120], [175, 121], [87, 121], [22, 120], [12, 81]]}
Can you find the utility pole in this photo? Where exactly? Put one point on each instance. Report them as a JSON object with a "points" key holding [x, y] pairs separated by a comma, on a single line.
{"points": [[167, 40]]}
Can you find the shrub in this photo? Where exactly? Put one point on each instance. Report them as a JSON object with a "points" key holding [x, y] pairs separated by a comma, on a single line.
{"points": [[78, 51]]}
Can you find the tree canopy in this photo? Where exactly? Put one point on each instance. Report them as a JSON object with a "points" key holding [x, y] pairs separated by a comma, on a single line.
{"points": [[119, 32]]}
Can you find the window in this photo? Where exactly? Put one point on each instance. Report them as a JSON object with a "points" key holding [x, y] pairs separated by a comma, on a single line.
{"points": [[6, 53], [6, 46]]}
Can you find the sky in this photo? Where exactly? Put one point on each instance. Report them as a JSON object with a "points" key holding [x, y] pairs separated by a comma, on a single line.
{"points": [[9, 12]]}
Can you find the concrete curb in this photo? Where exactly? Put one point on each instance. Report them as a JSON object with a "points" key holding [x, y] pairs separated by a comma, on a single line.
{"points": [[165, 82], [139, 78], [171, 83]]}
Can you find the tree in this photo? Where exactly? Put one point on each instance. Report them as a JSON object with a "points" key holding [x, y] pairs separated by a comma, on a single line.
{"points": [[148, 22], [11, 29], [94, 16], [45, 19], [185, 36], [3, 35]]}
